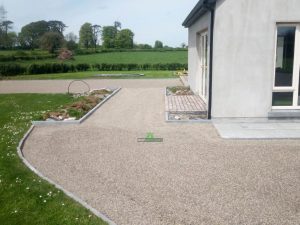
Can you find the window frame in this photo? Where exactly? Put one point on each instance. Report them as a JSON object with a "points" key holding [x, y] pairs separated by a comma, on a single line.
{"points": [[296, 68]]}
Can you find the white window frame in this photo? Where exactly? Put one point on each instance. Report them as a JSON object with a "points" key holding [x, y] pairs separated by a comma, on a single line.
{"points": [[295, 87]]}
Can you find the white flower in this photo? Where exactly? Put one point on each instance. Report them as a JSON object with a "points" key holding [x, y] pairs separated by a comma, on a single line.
{"points": [[27, 188], [45, 201]]}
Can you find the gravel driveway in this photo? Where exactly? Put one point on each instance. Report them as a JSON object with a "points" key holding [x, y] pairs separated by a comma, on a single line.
{"points": [[193, 177], [61, 86]]}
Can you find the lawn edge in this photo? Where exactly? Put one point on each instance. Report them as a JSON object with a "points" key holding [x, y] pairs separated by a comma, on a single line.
{"points": [[66, 192]]}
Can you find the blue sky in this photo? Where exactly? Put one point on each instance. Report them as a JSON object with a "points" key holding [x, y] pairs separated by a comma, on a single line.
{"points": [[149, 19]]}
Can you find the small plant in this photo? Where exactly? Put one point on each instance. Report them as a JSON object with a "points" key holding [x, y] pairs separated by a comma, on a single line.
{"points": [[180, 90], [65, 54]]}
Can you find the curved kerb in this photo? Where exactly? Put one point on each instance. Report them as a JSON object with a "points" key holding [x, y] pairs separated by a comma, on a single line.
{"points": [[71, 195]]}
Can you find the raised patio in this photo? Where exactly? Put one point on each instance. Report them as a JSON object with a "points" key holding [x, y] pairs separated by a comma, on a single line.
{"points": [[185, 107], [185, 104]]}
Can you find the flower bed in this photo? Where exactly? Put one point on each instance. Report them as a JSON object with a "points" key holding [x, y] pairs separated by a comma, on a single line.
{"points": [[83, 104]]}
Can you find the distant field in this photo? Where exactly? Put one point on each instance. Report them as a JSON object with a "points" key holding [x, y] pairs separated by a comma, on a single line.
{"points": [[119, 57]]}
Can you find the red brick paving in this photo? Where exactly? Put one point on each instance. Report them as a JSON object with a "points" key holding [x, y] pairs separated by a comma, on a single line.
{"points": [[185, 103]]}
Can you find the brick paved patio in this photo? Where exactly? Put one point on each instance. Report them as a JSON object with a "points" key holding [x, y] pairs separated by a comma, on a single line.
{"points": [[185, 104]]}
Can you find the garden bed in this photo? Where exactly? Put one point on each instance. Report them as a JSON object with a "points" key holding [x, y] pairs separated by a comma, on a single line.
{"points": [[179, 91], [83, 106]]}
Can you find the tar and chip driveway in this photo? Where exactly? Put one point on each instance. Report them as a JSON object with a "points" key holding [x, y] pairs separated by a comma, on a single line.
{"points": [[193, 177]]}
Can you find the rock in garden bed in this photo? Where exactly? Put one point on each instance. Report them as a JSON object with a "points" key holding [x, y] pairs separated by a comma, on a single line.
{"points": [[186, 117]]}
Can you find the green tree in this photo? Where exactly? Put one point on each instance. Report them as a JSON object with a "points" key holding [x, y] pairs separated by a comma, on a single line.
{"points": [[6, 25], [71, 45], [71, 37], [158, 44], [30, 34], [118, 25], [7, 39], [143, 46], [12, 40], [109, 34], [96, 29], [71, 41], [56, 26], [124, 39], [51, 41], [86, 35], [3, 14]]}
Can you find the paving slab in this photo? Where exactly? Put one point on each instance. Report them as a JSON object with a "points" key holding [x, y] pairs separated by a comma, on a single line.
{"points": [[258, 129], [185, 103]]}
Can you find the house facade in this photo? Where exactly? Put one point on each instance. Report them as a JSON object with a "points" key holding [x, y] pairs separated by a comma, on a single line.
{"points": [[244, 57]]}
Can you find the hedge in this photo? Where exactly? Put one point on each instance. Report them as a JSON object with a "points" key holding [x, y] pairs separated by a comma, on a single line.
{"points": [[48, 68], [12, 69], [11, 58]]}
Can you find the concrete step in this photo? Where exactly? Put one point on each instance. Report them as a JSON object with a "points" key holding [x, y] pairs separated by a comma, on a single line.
{"points": [[284, 114]]}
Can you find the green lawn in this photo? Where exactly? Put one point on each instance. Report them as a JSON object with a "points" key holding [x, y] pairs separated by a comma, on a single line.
{"points": [[25, 198], [121, 57], [91, 75]]}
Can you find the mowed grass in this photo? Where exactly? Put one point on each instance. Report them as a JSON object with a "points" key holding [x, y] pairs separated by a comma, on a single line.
{"points": [[119, 58], [25, 198], [92, 75]]}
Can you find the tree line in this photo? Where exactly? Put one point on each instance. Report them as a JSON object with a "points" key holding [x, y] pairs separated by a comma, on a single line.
{"points": [[49, 35]]}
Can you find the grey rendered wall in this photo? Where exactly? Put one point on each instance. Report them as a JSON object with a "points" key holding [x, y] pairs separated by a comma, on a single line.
{"points": [[194, 61], [244, 54]]}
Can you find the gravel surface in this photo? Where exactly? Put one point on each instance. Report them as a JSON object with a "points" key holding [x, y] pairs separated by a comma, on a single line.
{"points": [[194, 177], [61, 86]]}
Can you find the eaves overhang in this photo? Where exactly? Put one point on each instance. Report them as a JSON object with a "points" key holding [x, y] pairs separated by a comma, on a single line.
{"points": [[202, 7]]}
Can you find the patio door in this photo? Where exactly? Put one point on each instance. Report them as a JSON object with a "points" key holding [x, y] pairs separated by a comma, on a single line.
{"points": [[204, 66], [286, 91]]}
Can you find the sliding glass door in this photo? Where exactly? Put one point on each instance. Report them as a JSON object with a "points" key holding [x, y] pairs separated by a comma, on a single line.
{"points": [[286, 92]]}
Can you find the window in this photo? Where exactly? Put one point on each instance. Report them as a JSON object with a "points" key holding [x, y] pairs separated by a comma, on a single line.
{"points": [[285, 56], [286, 82]]}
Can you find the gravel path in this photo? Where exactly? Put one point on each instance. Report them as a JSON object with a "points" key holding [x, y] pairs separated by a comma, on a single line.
{"points": [[61, 86], [193, 177]]}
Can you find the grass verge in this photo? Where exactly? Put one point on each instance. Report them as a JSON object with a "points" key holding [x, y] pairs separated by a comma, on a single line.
{"points": [[25, 198], [91, 75], [120, 57]]}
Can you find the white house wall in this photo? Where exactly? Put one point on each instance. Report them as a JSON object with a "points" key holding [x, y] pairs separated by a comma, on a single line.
{"points": [[194, 59], [244, 54]]}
